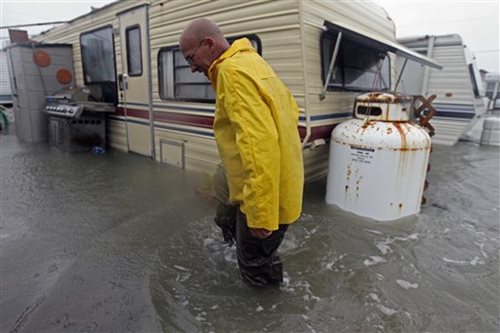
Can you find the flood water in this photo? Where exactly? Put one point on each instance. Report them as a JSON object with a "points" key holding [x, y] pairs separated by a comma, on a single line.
{"points": [[119, 243]]}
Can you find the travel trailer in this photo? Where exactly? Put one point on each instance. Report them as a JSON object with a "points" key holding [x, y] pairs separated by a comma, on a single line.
{"points": [[326, 52], [458, 86]]}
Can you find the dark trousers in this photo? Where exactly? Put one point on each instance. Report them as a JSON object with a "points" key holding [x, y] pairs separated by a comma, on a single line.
{"points": [[258, 259]]}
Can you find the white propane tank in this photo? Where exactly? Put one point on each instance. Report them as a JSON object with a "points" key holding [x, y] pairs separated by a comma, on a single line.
{"points": [[378, 160]]}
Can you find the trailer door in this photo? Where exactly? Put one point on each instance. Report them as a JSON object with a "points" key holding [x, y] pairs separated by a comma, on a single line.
{"points": [[135, 80]]}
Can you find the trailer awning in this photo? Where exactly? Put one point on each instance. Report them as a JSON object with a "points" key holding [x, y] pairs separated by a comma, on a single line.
{"points": [[382, 44]]}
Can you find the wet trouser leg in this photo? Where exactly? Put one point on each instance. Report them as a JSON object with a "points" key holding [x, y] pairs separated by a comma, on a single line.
{"points": [[225, 219], [225, 216], [258, 259]]}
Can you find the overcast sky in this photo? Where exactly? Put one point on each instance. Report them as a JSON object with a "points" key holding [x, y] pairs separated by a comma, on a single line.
{"points": [[477, 21]]}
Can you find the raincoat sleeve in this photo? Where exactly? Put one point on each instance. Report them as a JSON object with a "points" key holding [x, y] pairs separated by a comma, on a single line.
{"points": [[257, 142]]}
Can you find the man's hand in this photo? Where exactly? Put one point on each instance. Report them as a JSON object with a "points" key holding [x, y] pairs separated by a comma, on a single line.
{"points": [[260, 232]]}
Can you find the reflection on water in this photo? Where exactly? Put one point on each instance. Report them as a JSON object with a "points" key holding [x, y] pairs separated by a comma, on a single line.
{"points": [[119, 243]]}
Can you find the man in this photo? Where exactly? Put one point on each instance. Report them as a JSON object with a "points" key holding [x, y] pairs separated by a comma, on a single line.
{"points": [[255, 128]]}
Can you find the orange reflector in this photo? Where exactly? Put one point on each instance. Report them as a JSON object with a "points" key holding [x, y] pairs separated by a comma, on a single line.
{"points": [[41, 58], [64, 76]]}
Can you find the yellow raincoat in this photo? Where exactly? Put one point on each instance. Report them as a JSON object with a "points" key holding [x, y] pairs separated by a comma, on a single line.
{"points": [[255, 128]]}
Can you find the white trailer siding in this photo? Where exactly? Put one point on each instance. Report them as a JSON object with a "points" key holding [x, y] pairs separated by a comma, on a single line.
{"points": [[276, 23], [337, 105], [455, 102], [341, 13], [289, 33]]}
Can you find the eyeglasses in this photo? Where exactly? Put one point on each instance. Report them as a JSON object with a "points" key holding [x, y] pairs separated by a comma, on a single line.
{"points": [[189, 58]]}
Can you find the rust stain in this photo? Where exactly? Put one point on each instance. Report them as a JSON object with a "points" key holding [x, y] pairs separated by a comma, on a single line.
{"points": [[379, 97], [404, 144], [409, 149], [368, 123], [378, 148]]}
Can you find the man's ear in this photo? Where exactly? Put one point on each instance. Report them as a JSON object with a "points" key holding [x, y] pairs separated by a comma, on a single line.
{"points": [[210, 42]]}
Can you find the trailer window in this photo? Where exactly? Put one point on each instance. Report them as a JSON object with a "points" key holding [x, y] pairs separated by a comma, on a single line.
{"points": [[177, 82], [358, 67], [98, 56], [134, 56], [98, 62]]}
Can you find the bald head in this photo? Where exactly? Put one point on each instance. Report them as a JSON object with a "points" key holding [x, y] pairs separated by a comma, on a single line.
{"points": [[200, 29], [201, 43]]}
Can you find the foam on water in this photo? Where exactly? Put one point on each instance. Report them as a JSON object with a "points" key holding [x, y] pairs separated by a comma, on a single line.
{"points": [[374, 297], [330, 265], [385, 310], [407, 285], [452, 261], [374, 260], [376, 232], [383, 247], [481, 248], [472, 262], [476, 261]]}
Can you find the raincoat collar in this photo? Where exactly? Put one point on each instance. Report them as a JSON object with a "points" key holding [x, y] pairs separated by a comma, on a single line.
{"points": [[238, 45]]}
